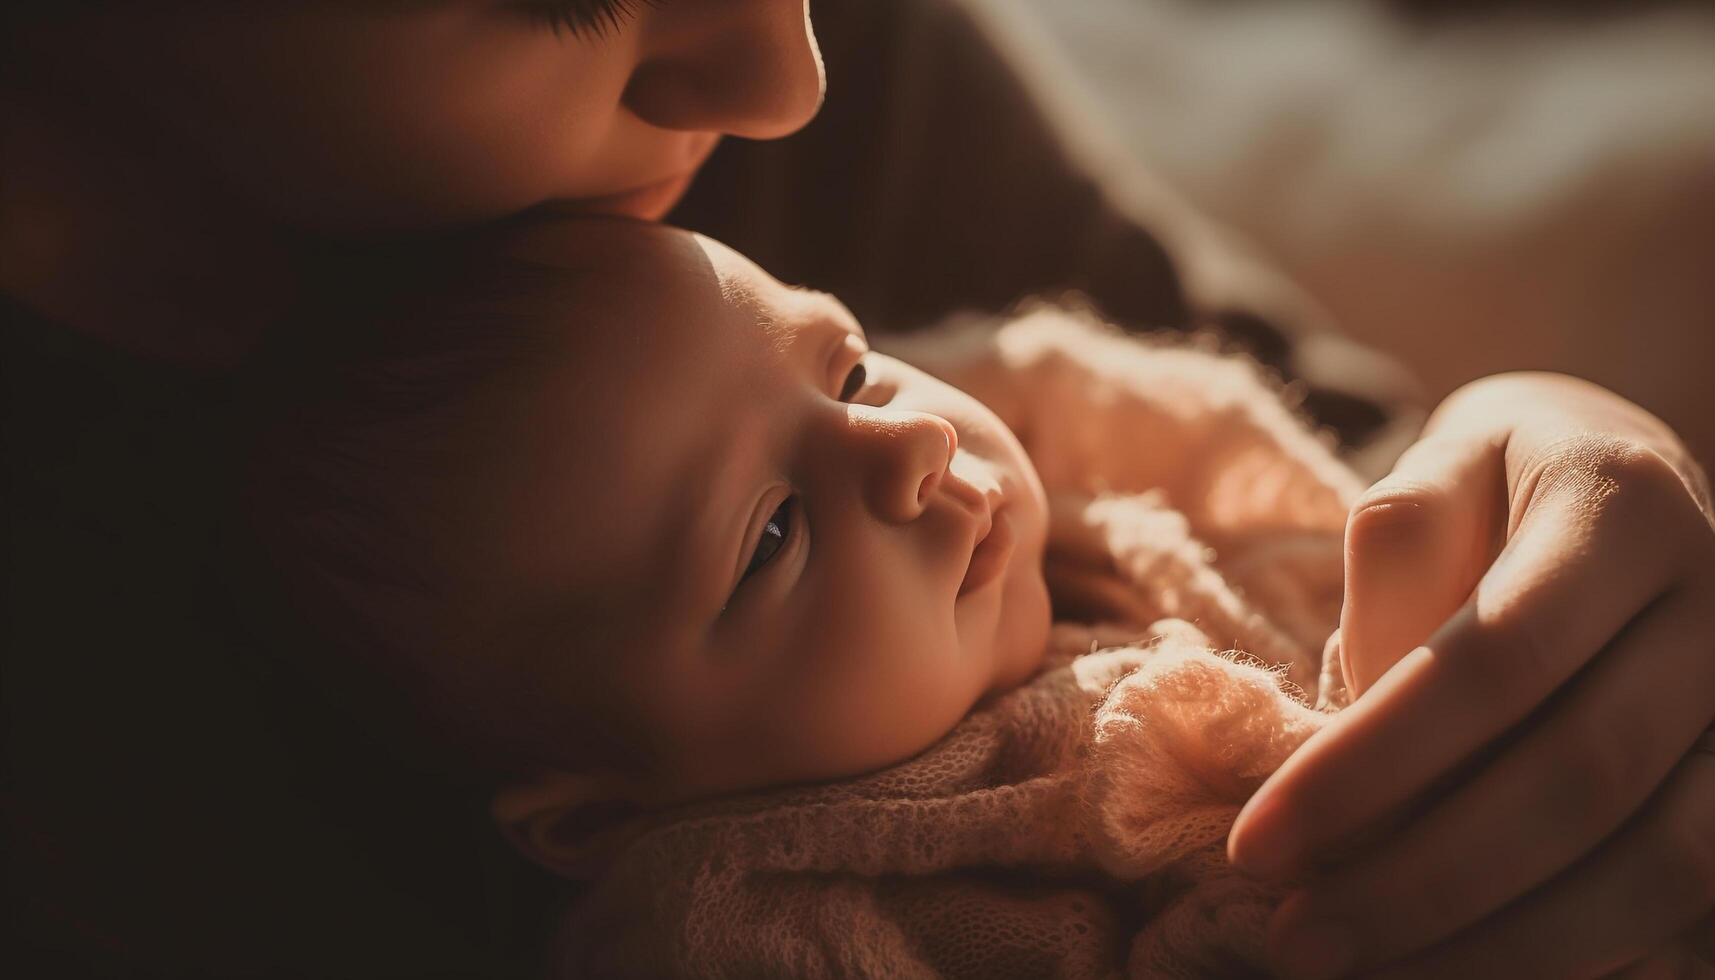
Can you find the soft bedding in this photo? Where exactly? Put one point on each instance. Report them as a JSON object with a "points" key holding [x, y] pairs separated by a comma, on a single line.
{"points": [[1074, 826]]}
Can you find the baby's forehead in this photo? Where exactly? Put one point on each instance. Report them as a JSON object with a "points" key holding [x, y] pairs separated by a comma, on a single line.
{"points": [[654, 353], [627, 288], [637, 302]]}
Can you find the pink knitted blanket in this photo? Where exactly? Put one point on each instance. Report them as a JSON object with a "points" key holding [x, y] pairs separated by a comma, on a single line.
{"points": [[1075, 826]]}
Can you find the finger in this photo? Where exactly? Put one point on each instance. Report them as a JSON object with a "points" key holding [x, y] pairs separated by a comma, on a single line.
{"points": [[1416, 544], [1550, 602], [1645, 887], [1575, 776]]}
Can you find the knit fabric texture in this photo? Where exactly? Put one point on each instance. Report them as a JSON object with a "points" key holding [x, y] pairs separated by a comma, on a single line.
{"points": [[1074, 826]]}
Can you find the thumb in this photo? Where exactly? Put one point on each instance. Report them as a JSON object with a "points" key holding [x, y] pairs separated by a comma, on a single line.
{"points": [[1416, 545]]}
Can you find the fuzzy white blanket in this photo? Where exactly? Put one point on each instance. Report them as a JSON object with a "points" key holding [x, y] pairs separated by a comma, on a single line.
{"points": [[1075, 826]]}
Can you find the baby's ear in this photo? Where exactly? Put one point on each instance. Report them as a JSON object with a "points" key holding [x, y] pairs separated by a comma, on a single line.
{"points": [[561, 821]]}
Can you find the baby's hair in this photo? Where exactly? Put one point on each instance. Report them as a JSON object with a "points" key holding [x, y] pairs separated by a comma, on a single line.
{"points": [[356, 415]]}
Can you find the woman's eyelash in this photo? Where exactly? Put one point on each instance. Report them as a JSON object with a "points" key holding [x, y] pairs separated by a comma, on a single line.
{"points": [[854, 382], [775, 534], [596, 18]]}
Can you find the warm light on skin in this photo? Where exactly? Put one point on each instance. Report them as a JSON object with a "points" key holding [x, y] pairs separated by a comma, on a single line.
{"points": [[373, 115], [632, 464], [193, 159]]}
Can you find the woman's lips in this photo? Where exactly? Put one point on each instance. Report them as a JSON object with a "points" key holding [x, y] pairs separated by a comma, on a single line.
{"points": [[989, 557], [651, 201]]}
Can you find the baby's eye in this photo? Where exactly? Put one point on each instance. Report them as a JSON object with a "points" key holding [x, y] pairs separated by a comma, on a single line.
{"points": [[854, 382], [774, 536]]}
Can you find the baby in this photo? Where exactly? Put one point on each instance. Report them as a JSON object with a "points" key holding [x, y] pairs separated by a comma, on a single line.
{"points": [[662, 550]]}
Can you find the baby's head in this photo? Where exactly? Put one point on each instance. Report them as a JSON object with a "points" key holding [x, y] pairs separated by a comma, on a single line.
{"points": [[641, 522]]}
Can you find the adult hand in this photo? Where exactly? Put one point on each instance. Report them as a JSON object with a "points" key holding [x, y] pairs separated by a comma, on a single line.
{"points": [[1531, 594]]}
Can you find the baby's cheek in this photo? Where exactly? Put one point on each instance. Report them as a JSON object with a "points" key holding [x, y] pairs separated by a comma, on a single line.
{"points": [[1022, 635]]}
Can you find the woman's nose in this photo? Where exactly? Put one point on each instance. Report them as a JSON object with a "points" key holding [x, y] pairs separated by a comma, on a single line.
{"points": [[904, 456], [747, 68]]}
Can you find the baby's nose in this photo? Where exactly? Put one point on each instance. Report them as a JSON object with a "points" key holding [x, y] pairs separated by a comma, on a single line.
{"points": [[906, 455]]}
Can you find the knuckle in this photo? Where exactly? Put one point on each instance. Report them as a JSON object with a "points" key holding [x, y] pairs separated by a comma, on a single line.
{"points": [[1643, 484], [1614, 473]]}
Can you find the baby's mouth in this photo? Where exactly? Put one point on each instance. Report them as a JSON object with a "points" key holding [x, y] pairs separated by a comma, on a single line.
{"points": [[989, 555]]}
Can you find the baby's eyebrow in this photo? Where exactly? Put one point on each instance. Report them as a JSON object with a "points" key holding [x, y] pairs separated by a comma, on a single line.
{"points": [[841, 315], [831, 328], [708, 543]]}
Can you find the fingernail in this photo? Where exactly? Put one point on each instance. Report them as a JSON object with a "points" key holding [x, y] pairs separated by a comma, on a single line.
{"points": [[1315, 951]]}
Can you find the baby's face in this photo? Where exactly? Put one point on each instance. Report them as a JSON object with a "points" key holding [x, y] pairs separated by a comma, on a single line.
{"points": [[791, 558]]}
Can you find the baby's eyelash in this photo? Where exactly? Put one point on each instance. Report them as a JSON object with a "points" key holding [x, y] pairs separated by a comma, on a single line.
{"points": [[775, 533], [596, 18]]}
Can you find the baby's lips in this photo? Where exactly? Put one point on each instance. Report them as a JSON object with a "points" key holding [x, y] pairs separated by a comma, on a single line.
{"points": [[989, 556]]}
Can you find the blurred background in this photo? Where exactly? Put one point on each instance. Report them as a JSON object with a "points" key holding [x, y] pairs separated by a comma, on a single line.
{"points": [[1471, 186]]}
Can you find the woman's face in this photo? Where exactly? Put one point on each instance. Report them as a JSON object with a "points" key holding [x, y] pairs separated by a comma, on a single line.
{"points": [[364, 115]]}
